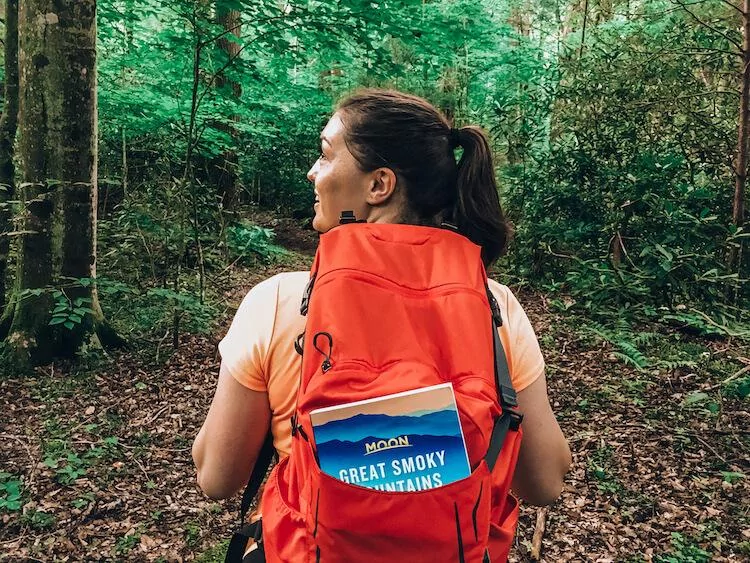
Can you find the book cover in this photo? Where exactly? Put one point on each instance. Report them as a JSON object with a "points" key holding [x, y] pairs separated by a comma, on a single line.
{"points": [[408, 441]]}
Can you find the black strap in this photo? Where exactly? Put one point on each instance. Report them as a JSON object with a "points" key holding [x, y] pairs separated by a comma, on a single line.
{"points": [[260, 469], [238, 543], [257, 555], [509, 419], [505, 392]]}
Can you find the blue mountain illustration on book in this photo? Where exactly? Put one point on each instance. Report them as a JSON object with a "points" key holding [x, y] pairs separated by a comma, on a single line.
{"points": [[442, 454], [362, 426], [394, 453], [403, 442]]}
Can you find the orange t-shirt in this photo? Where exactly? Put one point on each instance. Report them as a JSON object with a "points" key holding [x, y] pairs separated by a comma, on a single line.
{"points": [[259, 350]]}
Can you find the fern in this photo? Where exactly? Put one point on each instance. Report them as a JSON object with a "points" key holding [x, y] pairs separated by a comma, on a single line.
{"points": [[601, 331], [636, 357], [646, 338], [674, 364], [622, 338]]}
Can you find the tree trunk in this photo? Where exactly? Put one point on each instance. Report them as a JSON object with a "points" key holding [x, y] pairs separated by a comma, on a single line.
{"points": [[225, 165], [740, 175], [8, 125], [58, 156]]}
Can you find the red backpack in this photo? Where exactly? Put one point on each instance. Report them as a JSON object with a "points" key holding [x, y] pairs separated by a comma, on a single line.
{"points": [[393, 308]]}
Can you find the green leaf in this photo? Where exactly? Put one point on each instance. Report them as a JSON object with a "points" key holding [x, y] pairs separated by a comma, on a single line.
{"points": [[52, 463], [83, 311], [58, 320], [732, 476], [69, 325], [696, 397]]}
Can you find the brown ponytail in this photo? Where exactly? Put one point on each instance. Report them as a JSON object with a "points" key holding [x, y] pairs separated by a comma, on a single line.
{"points": [[478, 214], [409, 135]]}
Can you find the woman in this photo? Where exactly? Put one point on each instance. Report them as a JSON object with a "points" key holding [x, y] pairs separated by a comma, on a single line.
{"points": [[388, 157]]}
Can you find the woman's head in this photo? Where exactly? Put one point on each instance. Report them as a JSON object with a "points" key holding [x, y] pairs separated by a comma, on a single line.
{"points": [[389, 157]]}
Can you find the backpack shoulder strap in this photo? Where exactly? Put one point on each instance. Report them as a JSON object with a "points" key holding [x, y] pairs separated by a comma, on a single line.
{"points": [[244, 532], [265, 456], [510, 419], [505, 392]]}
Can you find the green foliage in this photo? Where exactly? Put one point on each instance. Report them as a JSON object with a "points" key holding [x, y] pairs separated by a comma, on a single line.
{"points": [[70, 465], [215, 554], [628, 344], [10, 492], [140, 313], [83, 501], [69, 312], [614, 151], [66, 310], [192, 534], [247, 241], [125, 544], [683, 551], [599, 468], [701, 400], [732, 476], [739, 388], [623, 202], [38, 519]]}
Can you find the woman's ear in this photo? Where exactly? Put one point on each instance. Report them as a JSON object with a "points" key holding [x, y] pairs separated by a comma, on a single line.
{"points": [[382, 186]]}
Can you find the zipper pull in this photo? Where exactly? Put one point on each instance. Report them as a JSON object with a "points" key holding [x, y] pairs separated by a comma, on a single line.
{"points": [[327, 361]]}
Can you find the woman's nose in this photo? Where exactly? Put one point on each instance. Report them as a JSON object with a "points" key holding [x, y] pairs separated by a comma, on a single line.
{"points": [[312, 172]]}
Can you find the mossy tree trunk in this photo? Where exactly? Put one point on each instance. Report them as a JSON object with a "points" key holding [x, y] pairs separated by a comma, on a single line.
{"points": [[8, 125], [57, 149]]}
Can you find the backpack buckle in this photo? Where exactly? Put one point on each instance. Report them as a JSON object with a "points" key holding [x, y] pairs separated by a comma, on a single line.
{"points": [[516, 418], [305, 306], [348, 217], [497, 316], [508, 396]]}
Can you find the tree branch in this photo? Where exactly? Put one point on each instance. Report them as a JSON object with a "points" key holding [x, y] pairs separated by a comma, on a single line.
{"points": [[732, 5], [684, 6]]}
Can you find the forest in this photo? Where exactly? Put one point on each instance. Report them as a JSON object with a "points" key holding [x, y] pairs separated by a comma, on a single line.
{"points": [[153, 160]]}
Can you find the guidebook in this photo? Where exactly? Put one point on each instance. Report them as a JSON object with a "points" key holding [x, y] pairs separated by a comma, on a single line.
{"points": [[409, 441]]}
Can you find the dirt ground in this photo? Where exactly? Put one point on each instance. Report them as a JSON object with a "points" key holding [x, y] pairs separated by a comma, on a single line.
{"points": [[103, 456]]}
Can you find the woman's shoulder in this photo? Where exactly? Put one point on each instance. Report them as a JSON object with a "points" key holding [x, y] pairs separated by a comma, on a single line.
{"points": [[291, 286], [268, 297], [282, 284], [501, 292], [283, 293], [510, 307]]}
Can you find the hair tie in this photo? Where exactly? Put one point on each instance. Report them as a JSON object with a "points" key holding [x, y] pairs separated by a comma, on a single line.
{"points": [[455, 137]]}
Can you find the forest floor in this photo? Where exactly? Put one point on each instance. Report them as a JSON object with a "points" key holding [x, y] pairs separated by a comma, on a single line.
{"points": [[661, 456]]}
